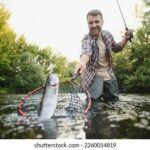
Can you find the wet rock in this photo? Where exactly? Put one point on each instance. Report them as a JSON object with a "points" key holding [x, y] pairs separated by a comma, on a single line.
{"points": [[139, 125], [144, 122], [39, 136], [114, 126], [129, 115], [20, 128], [80, 135]]}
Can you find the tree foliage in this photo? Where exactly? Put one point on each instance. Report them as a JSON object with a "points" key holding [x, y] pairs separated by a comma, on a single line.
{"points": [[132, 67], [24, 66]]}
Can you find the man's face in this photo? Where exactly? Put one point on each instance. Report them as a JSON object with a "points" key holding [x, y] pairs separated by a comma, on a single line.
{"points": [[95, 24]]}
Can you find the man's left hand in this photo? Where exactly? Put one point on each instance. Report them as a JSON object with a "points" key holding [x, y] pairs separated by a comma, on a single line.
{"points": [[129, 34]]}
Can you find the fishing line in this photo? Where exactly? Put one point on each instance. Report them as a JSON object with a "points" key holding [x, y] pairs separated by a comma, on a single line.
{"points": [[122, 15], [126, 28]]}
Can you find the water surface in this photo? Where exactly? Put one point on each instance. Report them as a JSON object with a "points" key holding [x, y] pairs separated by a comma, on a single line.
{"points": [[128, 118]]}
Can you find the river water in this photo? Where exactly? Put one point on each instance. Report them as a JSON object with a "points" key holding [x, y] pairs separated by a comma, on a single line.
{"points": [[128, 118]]}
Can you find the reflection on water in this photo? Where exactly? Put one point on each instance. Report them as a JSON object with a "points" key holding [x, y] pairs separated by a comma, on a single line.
{"points": [[128, 118], [13, 126]]}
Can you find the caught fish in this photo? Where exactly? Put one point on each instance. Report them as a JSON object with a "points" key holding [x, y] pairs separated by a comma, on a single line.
{"points": [[49, 99]]}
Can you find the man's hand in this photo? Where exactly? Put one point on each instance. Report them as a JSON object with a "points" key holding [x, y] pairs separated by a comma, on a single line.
{"points": [[80, 67], [129, 34]]}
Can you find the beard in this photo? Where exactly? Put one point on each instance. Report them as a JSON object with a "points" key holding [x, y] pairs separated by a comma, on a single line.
{"points": [[95, 31]]}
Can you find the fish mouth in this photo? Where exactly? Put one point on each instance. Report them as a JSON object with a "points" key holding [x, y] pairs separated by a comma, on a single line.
{"points": [[53, 84]]}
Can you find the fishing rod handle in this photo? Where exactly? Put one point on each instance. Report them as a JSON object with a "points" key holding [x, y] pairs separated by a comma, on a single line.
{"points": [[130, 34], [75, 75]]}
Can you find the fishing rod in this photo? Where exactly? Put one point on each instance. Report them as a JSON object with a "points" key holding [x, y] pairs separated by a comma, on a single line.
{"points": [[126, 28], [122, 15]]}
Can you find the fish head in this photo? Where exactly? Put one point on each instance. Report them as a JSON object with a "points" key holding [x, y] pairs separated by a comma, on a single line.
{"points": [[53, 80]]}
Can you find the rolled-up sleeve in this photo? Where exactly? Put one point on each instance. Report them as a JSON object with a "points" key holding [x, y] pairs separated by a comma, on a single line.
{"points": [[115, 46], [86, 46]]}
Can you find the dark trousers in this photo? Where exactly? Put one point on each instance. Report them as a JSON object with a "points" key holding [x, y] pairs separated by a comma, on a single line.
{"points": [[106, 90]]}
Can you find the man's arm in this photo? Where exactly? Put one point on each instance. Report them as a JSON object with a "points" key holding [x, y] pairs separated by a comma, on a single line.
{"points": [[123, 42], [128, 35], [116, 47], [85, 54], [81, 66]]}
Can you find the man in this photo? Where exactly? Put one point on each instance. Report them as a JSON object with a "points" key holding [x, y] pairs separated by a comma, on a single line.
{"points": [[96, 60]]}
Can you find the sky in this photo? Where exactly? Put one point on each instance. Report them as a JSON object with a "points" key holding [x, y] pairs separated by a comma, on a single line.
{"points": [[61, 24]]}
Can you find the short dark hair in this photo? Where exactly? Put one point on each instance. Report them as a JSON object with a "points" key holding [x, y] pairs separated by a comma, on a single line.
{"points": [[94, 12]]}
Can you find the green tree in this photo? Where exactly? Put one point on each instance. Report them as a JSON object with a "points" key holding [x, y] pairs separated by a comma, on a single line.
{"points": [[24, 66], [28, 76], [7, 49], [132, 67], [19, 68], [4, 16], [60, 66]]}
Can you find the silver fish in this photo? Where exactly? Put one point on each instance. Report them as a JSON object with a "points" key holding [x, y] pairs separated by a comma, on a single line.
{"points": [[49, 100]]}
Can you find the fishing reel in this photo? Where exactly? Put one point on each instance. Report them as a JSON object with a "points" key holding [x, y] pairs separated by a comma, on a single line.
{"points": [[129, 34]]}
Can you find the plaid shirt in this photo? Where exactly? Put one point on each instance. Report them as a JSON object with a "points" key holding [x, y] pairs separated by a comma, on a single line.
{"points": [[90, 47]]}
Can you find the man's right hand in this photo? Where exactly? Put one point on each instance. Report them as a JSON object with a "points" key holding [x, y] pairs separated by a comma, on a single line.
{"points": [[80, 67]]}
